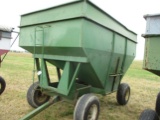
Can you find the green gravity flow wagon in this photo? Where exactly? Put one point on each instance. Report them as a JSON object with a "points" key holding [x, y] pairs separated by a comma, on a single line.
{"points": [[152, 47], [90, 50]]}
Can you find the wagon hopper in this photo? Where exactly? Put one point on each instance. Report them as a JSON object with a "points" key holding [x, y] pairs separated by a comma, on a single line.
{"points": [[92, 49]]}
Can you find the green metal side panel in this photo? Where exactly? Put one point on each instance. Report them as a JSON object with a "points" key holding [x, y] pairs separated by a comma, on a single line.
{"points": [[118, 54], [151, 56], [108, 53], [152, 44], [60, 39], [96, 14], [88, 76], [59, 34], [97, 42], [96, 37], [130, 55]]}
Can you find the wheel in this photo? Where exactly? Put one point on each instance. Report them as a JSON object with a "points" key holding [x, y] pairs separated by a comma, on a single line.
{"points": [[123, 94], [35, 96], [158, 104], [148, 114], [87, 108], [2, 85]]}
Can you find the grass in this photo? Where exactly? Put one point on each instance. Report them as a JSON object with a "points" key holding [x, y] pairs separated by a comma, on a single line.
{"points": [[17, 71]]}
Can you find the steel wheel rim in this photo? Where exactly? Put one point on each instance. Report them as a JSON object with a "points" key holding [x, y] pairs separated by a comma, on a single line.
{"points": [[92, 115], [127, 95], [40, 97]]}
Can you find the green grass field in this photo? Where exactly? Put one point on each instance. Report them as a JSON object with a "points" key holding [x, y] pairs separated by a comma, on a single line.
{"points": [[17, 71]]}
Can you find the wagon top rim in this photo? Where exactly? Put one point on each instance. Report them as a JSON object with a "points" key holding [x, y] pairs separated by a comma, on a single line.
{"points": [[151, 15], [75, 1]]}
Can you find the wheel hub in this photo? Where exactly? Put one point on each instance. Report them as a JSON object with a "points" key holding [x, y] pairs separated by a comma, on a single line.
{"points": [[92, 112]]}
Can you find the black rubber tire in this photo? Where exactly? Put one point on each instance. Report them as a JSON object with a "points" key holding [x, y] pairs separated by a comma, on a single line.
{"points": [[86, 105], [35, 97], [2, 85], [158, 104], [123, 94], [149, 114]]}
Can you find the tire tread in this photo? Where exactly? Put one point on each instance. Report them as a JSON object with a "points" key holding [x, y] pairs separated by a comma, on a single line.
{"points": [[148, 114], [158, 104], [3, 85]]}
